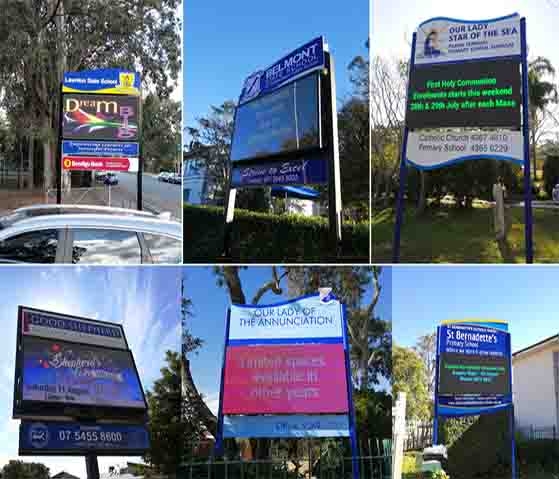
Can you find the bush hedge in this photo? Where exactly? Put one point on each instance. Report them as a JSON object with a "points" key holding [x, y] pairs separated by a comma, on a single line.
{"points": [[263, 237]]}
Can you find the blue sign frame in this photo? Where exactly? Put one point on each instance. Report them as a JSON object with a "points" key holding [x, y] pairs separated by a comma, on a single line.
{"points": [[495, 403], [288, 430], [44, 438], [528, 218]]}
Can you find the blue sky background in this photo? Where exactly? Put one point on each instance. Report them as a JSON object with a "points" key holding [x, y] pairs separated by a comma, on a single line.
{"points": [[210, 304], [524, 296], [145, 300], [225, 43]]}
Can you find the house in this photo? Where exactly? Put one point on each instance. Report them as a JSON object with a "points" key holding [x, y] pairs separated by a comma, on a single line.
{"points": [[199, 188], [64, 475], [535, 386]]}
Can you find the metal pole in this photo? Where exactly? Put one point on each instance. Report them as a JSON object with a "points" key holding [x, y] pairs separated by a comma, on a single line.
{"points": [[140, 156], [92, 466], [403, 170], [229, 216], [436, 401], [513, 443], [59, 148], [528, 220], [334, 181], [218, 450]]}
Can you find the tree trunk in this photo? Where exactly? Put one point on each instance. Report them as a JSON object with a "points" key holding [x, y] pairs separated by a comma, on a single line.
{"points": [[533, 142], [422, 192], [47, 160], [30, 164]]}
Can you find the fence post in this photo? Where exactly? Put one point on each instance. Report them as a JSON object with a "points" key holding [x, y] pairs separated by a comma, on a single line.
{"points": [[399, 434]]}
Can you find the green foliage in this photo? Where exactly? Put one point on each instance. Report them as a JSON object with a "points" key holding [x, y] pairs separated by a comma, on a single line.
{"points": [[466, 181], [262, 237], [25, 470], [373, 411], [161, 120], [168, 431], [409, 466], [409, 376], [550, 172], [482, 449]]}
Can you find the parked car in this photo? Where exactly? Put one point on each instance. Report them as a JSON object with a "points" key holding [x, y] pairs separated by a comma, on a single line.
{"points": [[163, 176], [555, 193], [100, 175], [111, 179], [88, 235], [175, 179]]}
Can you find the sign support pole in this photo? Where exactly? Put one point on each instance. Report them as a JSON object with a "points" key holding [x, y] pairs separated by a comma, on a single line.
{"points": [[528, 220], [229, 217], [403, 171], [219, 449], [436, 402], [59, 150], [334, 180], [351, 411], [92, 466]]}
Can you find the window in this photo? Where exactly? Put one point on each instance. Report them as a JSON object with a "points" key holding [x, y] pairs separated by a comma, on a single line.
{"points": [[102, 246], [33, 247], [164, 249], [186, 194]]}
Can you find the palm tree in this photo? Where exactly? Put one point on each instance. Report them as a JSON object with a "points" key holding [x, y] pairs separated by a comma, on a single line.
{"points": [[541, 94]]}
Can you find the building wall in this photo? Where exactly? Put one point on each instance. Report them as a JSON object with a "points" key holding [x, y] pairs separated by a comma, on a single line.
{"points": [[533, 387], [194, 182]]}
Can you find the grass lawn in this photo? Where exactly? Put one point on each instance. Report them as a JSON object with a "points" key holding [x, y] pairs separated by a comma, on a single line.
{"points": [[451, 235]]}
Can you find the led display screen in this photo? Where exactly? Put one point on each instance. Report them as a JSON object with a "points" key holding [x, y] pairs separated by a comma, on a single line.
{"points": [[282, 379], [65, 373], [283, 121], [467, 374], [471, 94], [100, 117]]}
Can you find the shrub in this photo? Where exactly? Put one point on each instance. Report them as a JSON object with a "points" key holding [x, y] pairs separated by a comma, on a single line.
{"points": [[263, 237]]}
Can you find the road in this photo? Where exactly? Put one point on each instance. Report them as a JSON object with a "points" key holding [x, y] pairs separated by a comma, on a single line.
{"points": [[157, 196]]}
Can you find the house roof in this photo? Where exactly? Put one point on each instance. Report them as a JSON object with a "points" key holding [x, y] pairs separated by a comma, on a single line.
{"points": [[64, 475], [538, 345]]}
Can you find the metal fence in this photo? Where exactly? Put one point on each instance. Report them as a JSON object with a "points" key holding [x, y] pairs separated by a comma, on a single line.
{"points": [[533, 433], [418, 435], [375, 462]]}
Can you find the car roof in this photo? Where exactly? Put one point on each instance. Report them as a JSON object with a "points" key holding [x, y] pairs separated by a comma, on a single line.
{"points": [[84, 216]]}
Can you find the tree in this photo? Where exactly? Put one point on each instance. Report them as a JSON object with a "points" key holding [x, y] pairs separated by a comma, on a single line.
{"points": [[410, 377], [161, 119], [541, 94], [166, 426], [426, 348], [25, 470], [42, 39], [213, 133]]}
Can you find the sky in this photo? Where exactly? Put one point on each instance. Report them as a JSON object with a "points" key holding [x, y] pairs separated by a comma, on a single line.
{"points": [[394, 22], [524, 296], [210, 304], [222, 46], [146, 301]]}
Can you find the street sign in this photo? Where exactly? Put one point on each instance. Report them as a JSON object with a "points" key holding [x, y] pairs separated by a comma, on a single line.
{"points": [[113, 81], [474, 373], [286, 372], [100, 117], [474, 369], [70, 367], [100, 124], [99, 163], [100, 148], [285, 131], [286, 426], [470, 76], [443, 40], [75, 439], [474, 94]]}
